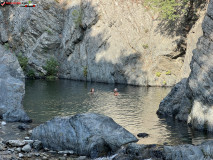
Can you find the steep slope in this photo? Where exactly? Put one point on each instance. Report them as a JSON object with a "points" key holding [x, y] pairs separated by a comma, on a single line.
{"points": [[113, 41]]}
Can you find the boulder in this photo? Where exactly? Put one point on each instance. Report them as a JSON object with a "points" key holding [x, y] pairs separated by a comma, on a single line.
{"points": [[12, 88], [88, 134], [176, 104]]}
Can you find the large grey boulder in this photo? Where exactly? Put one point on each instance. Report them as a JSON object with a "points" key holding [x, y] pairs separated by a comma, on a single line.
{"points": [[88, 134], [12, 88], [176, 103]]}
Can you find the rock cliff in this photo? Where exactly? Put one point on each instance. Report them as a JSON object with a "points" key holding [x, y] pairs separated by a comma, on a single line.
{"points": [[104, 41], [198, 86], [12, 88]]}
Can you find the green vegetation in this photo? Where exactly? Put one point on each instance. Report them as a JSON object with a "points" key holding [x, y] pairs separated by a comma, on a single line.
{"points": [[146, 30], [23, 61], [164, 83], [158, 74], [7, 46], [77, 17], [85, 72], [31, 74], [52, 68], [168, 9], [49, 31], [168, 73], [145, 46]]}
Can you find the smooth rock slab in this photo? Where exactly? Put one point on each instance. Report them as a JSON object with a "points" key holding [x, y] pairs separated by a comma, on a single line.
{"points": [[88, 134]]}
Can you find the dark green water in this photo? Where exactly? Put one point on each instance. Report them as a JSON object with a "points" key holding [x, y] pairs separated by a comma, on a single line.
{"points": [[134, 109]]}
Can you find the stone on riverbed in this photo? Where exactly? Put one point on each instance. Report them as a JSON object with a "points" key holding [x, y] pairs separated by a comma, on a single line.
{"points": [[16, 143], [88, 134]]}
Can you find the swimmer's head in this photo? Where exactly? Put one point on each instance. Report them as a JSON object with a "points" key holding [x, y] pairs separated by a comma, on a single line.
{"points": [[115, 90]]}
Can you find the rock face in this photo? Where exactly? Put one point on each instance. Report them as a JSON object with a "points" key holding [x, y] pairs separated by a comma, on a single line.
{"points": [[189, 152], [12, 88], [110, 41], [199, 85], [176, 104], [91, 135]]}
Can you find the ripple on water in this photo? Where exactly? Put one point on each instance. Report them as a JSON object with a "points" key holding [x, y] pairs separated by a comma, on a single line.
{"points": [[134, 109]]}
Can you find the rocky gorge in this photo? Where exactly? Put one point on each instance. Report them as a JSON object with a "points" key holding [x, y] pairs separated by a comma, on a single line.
{"points": [[90, 42], [84, 38]]}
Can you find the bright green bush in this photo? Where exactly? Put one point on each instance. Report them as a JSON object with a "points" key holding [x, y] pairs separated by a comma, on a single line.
{"points": [[168, 9], [51, 67], [158, 74], [168, 73]]}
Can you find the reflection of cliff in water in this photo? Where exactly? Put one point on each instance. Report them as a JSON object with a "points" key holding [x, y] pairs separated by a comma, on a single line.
{"points": [[134, 109]]}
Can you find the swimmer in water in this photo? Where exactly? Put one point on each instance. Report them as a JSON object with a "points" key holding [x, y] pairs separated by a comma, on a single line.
{"points": [[116, 92], [92, 90]]}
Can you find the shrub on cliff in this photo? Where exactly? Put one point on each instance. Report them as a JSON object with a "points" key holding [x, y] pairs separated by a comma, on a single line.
{"points": [[23, 61], [168, 9], [52, 68]]}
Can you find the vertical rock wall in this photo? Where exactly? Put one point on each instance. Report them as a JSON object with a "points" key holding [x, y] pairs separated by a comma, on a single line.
{"points": [[12, 88]]}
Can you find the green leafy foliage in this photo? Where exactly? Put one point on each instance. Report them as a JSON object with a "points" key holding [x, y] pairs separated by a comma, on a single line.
{"points": [[23, 61], [51, 67], [158, 74], [31, 74], [168, 73], [77, 17], [168, 9], [145, 46], [7, 46]]}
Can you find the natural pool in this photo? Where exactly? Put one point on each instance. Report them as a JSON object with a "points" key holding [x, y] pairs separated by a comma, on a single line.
{"points": [[134, 109]]}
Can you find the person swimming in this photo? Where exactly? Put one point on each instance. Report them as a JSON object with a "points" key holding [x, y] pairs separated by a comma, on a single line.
{"points": [[92, 90], [116, 92]]}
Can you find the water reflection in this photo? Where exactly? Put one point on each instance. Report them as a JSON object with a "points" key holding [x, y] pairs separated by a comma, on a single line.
{"points": [[134, 108]]}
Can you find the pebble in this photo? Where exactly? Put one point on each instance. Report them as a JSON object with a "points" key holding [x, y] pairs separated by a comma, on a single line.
{"points": [[44, 157], [26, 148], [20, 155], [3, 123], [27, 138], [18, 149]]}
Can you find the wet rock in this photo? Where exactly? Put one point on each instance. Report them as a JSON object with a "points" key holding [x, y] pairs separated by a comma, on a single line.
{"points": [[142, 135], [176, 104], [88, 134], [23, 127], [16, 143], [27, 148]]}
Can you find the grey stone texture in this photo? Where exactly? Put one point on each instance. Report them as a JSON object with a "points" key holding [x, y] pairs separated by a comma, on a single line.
{"points": [[87, 134], [12, 88]]}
